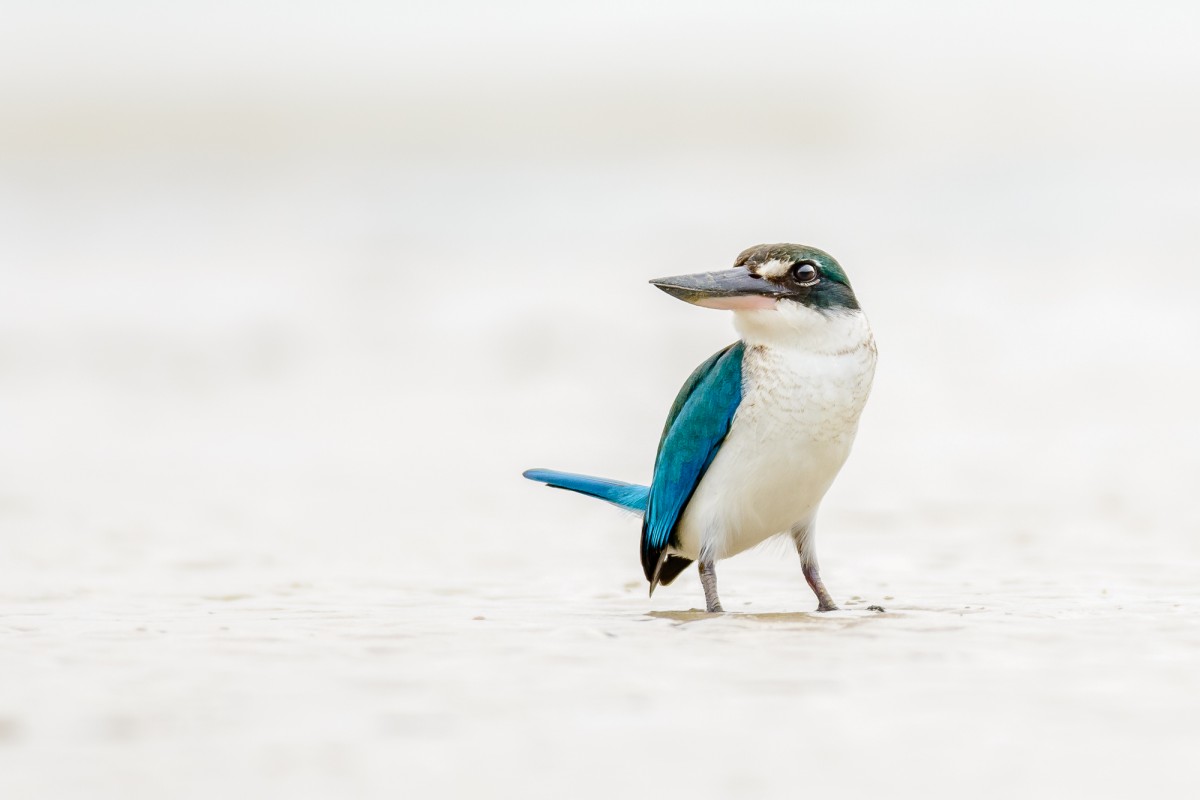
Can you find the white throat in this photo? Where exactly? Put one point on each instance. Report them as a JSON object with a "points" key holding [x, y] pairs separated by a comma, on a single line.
{"points": [[792, 325]]}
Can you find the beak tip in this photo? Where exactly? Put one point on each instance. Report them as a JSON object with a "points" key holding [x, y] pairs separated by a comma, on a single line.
{"points": [[674, 291]]}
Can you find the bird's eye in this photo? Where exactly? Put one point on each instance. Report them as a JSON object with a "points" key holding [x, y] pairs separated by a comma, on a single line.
{"points": [[805, 273]]}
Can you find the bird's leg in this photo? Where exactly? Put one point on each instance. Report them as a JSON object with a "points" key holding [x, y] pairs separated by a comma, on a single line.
{"points": [[812, 573], [708, 579]]}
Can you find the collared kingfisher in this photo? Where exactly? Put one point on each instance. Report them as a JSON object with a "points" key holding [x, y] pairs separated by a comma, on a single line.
{"points": [[760, 430]]}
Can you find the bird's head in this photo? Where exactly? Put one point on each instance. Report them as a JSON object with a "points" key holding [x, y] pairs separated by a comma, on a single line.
{"points": [[769, 277]]}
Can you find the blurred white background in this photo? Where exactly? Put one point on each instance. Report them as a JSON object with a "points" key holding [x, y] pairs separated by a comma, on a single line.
{"points": [[292, 292]]}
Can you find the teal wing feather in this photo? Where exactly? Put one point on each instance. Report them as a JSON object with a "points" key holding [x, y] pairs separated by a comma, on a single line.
{"points": [[697, 424]]}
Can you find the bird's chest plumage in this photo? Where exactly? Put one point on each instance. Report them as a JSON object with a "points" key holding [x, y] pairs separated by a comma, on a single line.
{"points": [[791, 434]]}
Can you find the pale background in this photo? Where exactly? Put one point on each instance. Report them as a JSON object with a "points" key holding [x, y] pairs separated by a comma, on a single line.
{"points": [[292, 292]]}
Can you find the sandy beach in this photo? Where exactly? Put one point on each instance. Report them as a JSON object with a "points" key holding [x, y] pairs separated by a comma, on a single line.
{"points": [[278, 336]]}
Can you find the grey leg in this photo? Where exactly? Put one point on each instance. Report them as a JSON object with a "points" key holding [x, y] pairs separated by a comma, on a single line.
{"points": [[812, 574], [806, 547], [708, 579]]}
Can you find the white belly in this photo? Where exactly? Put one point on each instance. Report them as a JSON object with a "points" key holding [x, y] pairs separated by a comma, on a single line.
{"points": [[790, 437]]}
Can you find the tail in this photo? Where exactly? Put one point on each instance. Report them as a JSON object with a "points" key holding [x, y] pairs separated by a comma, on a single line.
{"points": [[629, 496]]}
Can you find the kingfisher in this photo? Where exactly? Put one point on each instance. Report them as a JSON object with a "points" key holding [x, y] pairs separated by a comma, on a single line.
{"points": [[759, 431]]}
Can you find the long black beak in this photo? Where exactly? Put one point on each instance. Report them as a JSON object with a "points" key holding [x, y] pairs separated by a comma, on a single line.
{"points": [[720, 289]]}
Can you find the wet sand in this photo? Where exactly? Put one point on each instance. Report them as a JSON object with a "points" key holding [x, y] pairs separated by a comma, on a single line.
{"points": [[216, 672]]}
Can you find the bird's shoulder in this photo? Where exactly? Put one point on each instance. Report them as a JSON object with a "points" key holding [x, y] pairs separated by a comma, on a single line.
{"points": [[717, 375]]}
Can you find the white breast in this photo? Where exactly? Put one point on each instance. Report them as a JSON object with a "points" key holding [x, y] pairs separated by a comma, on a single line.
{"points": [[805, 380]]}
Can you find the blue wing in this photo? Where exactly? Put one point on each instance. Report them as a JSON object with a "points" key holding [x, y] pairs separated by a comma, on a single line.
{"points": [[696, 426]]}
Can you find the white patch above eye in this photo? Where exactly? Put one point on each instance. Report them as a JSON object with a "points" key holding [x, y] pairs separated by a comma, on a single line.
{"points": [[773, 268]]}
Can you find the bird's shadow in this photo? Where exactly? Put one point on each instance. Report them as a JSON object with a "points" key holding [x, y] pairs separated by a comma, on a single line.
{"points": [[771, 617]]}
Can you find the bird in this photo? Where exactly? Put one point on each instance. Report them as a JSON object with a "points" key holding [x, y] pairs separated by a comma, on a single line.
{"points": [[759, 431]]}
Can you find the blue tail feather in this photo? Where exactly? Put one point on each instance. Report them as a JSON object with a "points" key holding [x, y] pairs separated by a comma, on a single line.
{"points": [[629, 496]]}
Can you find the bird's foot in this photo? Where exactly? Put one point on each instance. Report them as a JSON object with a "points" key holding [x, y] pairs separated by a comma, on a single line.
{"points": [[827, 605], [714, 608]]}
